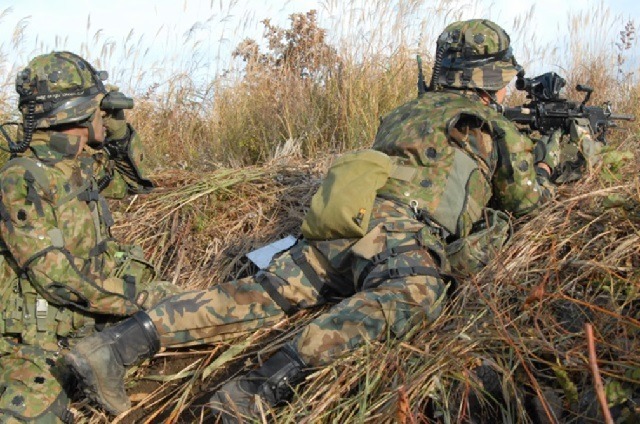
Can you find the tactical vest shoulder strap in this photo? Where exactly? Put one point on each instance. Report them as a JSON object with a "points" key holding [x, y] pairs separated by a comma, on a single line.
{"points": [[77, 193], [403, 172], [34, 167]]}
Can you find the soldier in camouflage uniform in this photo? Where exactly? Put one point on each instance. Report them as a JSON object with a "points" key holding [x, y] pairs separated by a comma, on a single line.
{"points": [[452, 152], [62, 274]]}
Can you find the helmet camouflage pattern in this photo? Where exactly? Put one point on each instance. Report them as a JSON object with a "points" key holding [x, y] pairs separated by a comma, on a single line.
{"points": [[59, 88], [474, 54]]}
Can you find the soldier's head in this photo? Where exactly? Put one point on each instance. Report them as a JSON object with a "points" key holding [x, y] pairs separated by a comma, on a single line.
{"points": [[474, 54], [59, 90]]}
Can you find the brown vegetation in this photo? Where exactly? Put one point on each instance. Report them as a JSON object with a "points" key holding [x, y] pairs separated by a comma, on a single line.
{"points": [[237, 160]]}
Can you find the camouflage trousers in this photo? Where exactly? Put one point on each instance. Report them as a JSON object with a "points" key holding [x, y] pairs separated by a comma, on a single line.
{"points": [[33, 389], [388, 280]]}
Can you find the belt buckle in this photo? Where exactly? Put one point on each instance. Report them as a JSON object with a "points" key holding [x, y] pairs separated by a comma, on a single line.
{"points": [[42, 308]]}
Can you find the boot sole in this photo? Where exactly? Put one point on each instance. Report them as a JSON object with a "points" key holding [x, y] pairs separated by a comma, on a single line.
{"points": [[87, 381]]}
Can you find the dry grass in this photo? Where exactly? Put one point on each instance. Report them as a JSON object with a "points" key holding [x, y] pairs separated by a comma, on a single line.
{"points": [[575, 261], [238, 158], [200, 225], [322, 89]]}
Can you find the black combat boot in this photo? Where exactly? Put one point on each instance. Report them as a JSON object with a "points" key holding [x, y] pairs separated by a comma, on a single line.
{"points": [[272, 384], [99, 361]]}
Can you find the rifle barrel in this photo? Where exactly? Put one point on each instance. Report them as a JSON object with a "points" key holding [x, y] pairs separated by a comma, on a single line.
{"points": [[622, 117]]}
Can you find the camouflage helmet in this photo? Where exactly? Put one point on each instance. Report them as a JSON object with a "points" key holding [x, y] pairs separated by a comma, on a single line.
{"points": [[474, 54], [59, 88]]}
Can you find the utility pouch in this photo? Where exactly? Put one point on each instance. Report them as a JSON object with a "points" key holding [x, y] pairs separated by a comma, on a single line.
{"points": [[468, 255], [12, 306], [132, 266], [12, 313], [341, 208]]}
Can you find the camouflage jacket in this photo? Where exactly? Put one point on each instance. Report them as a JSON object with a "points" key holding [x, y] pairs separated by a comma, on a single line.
{"points": [[56, 240], [455, 156]]}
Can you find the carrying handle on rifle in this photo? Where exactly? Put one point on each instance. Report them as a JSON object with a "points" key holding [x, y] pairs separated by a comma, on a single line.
{"points": [[585, 89]]}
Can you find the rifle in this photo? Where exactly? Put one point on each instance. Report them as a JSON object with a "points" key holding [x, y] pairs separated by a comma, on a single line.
{"points": [[546, 111]]}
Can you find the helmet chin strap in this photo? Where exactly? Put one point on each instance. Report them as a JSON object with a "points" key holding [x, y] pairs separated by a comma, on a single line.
{"points": [[488, 96]]}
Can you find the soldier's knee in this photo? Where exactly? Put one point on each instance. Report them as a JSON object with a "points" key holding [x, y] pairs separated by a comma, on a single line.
{"points": [[19, 405], [33, 388], [413, 301]]}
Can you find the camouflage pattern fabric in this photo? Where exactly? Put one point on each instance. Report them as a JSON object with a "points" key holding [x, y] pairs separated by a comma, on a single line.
{"points": [[31, 388], [128, 170], [581, 135], [223, 312], [582, 151], [388, 299], [475, 54], [392, 296], [54, 234], [129, 159], [389, 278], [459, 154], [468, 255], [63, 87], [55, 225], [547, 149]]}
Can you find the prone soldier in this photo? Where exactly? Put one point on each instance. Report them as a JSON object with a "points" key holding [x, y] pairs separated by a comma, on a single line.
{"points": [[437, 163]]}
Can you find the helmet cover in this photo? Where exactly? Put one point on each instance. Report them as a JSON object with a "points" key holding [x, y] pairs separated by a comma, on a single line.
{"points": [[61, 88], [476, 54]]}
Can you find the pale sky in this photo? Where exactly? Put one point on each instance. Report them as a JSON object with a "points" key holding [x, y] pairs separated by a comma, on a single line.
{"points": [[199, 35]]}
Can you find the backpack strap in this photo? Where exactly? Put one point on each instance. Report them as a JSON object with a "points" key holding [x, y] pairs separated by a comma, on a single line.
{"points": [[35, 172], [33, 167], [383, 257]]}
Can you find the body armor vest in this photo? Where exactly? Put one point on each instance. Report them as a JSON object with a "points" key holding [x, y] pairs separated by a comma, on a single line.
{"points": [[443, 148], [31, 316]]}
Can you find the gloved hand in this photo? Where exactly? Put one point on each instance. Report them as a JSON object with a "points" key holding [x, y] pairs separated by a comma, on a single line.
{"points": [[116, 125], [582, 149], [547, 150], [115, 121], [117, 142], [582, 136]]}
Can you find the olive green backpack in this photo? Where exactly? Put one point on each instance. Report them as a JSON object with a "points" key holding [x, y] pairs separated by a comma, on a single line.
{"points": [[341, 208]]}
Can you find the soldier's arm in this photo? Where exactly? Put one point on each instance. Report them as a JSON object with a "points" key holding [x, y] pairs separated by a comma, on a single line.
{"points": [[128, 166], [519, 184], [31, 231]]}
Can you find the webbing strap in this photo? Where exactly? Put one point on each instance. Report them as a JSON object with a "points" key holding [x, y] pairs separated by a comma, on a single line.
{"points": [[32, 193], [99, 248], [467, 74], [33, 166], [266, 280], [401, 272], [301, 260], [129, 287], [386, 254], [5, 216], [383, 256], [107, 218], [323, 287], [503, 152], [89, 196]]}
